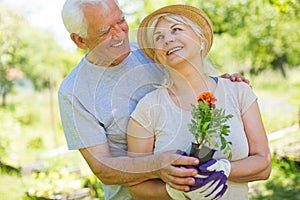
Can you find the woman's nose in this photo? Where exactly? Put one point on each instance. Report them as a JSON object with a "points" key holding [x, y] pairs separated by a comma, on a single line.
{"points": [[169, 37]]}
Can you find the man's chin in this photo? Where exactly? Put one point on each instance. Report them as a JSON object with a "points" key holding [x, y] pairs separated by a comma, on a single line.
{"points": [[120, 59]]}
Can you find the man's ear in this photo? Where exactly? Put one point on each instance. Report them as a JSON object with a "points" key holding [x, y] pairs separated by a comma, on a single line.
{"points": [[79, 41]]}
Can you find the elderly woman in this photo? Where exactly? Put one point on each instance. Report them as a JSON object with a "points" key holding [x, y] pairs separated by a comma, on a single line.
{"points": [[180, 37]]}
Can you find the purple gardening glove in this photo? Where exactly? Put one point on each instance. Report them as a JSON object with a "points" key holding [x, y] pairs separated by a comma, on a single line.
{"points": [[209, 184], [178, 151], [211, 187], [221, 165]]}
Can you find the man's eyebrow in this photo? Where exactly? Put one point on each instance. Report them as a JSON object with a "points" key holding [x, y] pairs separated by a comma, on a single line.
{"points": [[105, 28]]}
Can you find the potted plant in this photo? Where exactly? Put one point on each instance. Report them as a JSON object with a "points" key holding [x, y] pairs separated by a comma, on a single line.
{"points": [[208, 125]]}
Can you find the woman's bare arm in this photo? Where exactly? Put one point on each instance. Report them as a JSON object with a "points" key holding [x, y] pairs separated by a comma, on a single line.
{"points": [[258, 165]]}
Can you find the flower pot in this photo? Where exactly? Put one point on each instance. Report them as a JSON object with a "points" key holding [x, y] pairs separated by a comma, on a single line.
{"points": [[204, 154]]}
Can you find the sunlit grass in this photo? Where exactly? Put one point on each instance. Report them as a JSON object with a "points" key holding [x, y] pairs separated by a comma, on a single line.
{"points": [[32, 123], [282, 184], [277, 118], [279, 98], [272, 85], [12, 187]]}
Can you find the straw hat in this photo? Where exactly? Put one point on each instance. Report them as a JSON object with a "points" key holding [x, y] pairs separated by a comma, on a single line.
{"points": [[192, 13]]}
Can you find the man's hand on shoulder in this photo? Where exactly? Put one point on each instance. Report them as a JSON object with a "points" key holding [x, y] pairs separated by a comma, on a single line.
{"points": [[235, 77]]}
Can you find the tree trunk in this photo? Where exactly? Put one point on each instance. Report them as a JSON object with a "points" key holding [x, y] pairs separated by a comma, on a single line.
{"points": [[281, 65], [4, 99]]}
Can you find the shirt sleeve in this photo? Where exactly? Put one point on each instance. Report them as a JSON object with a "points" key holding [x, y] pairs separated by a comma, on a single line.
{"points": [[246, 97], [144, 113], [81, 128]]}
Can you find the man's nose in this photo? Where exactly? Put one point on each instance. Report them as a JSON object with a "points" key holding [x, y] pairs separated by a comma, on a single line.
{"points": [[116, 31]]}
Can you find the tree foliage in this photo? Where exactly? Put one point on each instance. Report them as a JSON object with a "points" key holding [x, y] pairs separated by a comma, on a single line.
{"points": [[30, 50], [9, 45]]}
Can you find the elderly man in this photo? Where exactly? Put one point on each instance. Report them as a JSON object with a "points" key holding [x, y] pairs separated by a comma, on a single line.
{"points": [[98, 96]]}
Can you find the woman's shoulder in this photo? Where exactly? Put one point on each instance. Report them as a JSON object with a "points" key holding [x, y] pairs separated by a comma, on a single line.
{"points": [[228, 83], [240, 90]]}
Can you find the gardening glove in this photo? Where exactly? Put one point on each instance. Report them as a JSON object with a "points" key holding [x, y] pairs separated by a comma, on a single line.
{"points": [[175, 194], [212, 187], [180, 152], [180, 195], [221, 165], [209, 185]]}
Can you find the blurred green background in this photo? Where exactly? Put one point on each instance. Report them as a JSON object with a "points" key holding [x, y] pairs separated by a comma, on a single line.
{"points": [[259, 39]]}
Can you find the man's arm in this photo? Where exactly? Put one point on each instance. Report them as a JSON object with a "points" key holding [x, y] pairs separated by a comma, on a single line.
{"points": [[129, 171], [142, 191]]}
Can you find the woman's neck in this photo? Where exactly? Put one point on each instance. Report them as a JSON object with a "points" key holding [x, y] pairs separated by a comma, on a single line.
{"points": [[189, 78], [188, 83]]}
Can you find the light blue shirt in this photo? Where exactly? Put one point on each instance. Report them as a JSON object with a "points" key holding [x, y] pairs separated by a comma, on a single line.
{"points": [[96, 103]]}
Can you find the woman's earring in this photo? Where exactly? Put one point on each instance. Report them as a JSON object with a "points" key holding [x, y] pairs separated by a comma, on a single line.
{"points": [[201, 50], [201, 47]]}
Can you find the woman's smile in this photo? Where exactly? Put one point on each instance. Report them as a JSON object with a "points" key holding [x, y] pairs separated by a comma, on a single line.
{"points": [[175, 49]]}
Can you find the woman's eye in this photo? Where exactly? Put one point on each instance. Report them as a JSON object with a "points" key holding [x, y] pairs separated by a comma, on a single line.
{"points": [[176, 29], [158, 38]]}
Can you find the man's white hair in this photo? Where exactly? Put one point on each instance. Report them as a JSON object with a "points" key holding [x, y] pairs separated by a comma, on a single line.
{"points": [[73, 17]]}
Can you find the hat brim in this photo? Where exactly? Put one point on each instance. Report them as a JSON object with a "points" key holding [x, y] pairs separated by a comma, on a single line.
{"points": [[192, 13]]}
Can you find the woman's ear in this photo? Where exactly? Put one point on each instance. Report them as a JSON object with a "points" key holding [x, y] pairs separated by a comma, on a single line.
{"points": [[79, 41]]}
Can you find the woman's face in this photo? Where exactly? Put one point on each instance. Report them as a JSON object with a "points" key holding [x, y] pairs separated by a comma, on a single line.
{"points": [[175, 43]]}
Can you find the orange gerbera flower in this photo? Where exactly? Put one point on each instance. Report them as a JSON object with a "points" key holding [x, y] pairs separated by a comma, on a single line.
{"points": [[208, 97]]}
